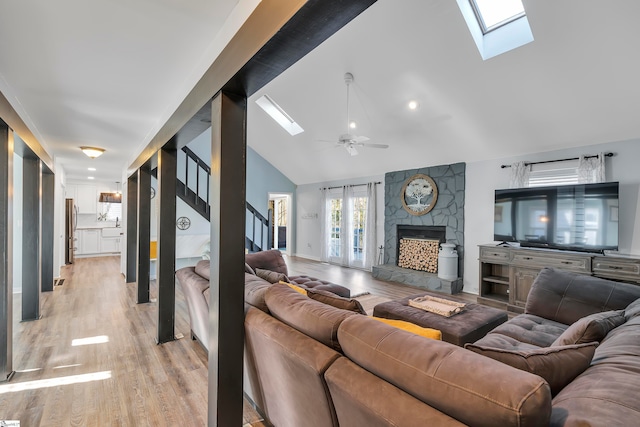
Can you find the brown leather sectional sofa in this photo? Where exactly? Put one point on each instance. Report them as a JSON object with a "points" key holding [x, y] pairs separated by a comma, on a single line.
{"points": [[308, 363]]}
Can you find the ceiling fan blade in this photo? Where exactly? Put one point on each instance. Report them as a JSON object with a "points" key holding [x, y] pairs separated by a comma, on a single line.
{"points": [[359, 138], [366, 144]]}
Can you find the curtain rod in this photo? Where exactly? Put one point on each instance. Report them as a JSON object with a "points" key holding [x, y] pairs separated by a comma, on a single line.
{"points": [[352, 185], [559, 160]]}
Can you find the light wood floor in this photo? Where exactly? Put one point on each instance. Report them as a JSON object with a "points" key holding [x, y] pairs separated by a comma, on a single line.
{"points": [[125, 379]]}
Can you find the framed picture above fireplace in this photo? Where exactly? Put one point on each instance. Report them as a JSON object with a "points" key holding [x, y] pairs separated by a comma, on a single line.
{"points": [[419, 194]]}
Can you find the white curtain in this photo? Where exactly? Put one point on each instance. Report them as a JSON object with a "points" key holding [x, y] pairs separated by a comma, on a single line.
{"points": [[325, 225], [346, 226], [370, 234], [519, 175], [591, 169]]}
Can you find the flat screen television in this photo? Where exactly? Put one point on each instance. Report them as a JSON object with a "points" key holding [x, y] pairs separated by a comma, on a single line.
{"points": [[581, 217]]}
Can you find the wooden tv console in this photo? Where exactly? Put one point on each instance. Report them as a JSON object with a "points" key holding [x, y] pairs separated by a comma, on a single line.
{"points": [[506, 273]]}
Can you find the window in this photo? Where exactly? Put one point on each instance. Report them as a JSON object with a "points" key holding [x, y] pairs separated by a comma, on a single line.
{"points": [[556, 173], [111, 212], [358, 224], [493, 14]]}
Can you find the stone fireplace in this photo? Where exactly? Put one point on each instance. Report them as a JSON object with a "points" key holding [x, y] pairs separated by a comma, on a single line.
{"points": [[444, 223]]}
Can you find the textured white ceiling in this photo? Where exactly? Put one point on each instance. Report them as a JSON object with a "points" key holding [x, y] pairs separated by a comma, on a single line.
{"points": [[110, 73], [107, 73], [575, 85]]}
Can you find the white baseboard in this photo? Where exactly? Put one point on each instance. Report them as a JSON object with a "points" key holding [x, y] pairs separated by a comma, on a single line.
{"points": [[309, 257]]}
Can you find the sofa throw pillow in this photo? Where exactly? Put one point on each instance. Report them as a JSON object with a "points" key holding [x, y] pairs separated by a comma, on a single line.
{"points": [[557, 365], [632, 309], [591, 328], [433, 334], [296, 288], [337, 301], [271, 276]]}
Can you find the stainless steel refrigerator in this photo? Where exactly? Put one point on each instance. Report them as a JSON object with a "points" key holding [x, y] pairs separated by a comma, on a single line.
{"points": [[70, 224]]}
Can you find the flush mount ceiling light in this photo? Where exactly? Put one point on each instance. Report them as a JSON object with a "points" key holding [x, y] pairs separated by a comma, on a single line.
{"points": [[92, 152], [279, 115]]}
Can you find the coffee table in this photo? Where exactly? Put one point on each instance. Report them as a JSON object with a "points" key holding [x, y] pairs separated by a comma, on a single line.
{"points": [[473, 323]]}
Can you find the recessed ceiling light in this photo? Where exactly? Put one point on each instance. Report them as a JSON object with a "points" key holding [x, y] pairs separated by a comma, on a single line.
{"points": [[90, 177], [413, 105], [91, 169], [352, 125]]}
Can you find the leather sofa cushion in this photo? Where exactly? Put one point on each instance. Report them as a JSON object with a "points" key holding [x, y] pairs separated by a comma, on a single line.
{"points": [[362, 399], [591, 328], [271, 276], [632, 309], [607, 393], [290, 367], [558, 365], [337, 301], [313, 318], [202, 268], [309, 282], [505, 342], [267, 260], [476, 390], [531, 329], [565, 296], [255, 289]]}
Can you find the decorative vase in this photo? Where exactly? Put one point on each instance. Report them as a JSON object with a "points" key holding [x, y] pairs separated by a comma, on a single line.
{"points": [[448, 262]]}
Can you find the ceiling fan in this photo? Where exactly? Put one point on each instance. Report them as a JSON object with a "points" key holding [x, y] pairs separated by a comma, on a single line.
{"points": [[348, 140]]}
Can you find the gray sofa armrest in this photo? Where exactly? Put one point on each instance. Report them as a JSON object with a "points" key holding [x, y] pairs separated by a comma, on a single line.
{"points": [[565, 297]]}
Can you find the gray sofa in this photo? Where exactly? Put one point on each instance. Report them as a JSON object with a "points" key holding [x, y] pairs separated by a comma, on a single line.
{"points": [[565, 309]]}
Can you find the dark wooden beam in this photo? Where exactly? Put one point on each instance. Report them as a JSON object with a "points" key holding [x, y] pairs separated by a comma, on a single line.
{"points": [[131, 247], [6, 252], [276, 36], [27, 141], [31, 238], [166, 258], [144, 232], [226, 312]]}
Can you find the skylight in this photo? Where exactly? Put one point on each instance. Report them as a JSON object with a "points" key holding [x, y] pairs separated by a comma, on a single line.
{"points": [[496, 26], [279, 115], [496, 13]]}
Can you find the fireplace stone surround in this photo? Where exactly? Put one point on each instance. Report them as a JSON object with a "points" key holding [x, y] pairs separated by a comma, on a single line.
{"points": [[447, 214]]}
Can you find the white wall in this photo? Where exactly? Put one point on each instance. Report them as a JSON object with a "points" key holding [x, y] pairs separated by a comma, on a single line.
{"points": [[308, 209], [484, 177], [59, 219]]}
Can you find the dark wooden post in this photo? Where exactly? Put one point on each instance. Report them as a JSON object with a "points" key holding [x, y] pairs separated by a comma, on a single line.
{"points": [[6, 252], [46, 245], [166, 259], [144, 232], [31, 261], [226, 343], [132, 228]]}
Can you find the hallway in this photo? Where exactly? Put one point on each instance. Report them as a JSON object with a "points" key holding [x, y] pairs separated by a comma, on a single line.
{"points": [[92, 359]]}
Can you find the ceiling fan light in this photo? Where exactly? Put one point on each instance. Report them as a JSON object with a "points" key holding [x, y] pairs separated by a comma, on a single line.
{"points": [[92, 152], [279, 115], [413, 105]]}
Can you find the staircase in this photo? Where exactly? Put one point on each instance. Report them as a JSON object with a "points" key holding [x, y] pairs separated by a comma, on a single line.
{"points": [[192, 187]]}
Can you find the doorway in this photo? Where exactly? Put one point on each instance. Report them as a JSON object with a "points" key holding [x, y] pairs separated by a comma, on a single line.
{"points": [[280, 208]]}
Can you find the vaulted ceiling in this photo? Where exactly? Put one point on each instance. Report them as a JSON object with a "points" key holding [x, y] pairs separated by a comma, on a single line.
{"points": [[110, 73]]}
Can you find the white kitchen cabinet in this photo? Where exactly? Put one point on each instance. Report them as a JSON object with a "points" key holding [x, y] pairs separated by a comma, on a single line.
{"points": [[110, 245], [89, 241], [87, 199]]}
